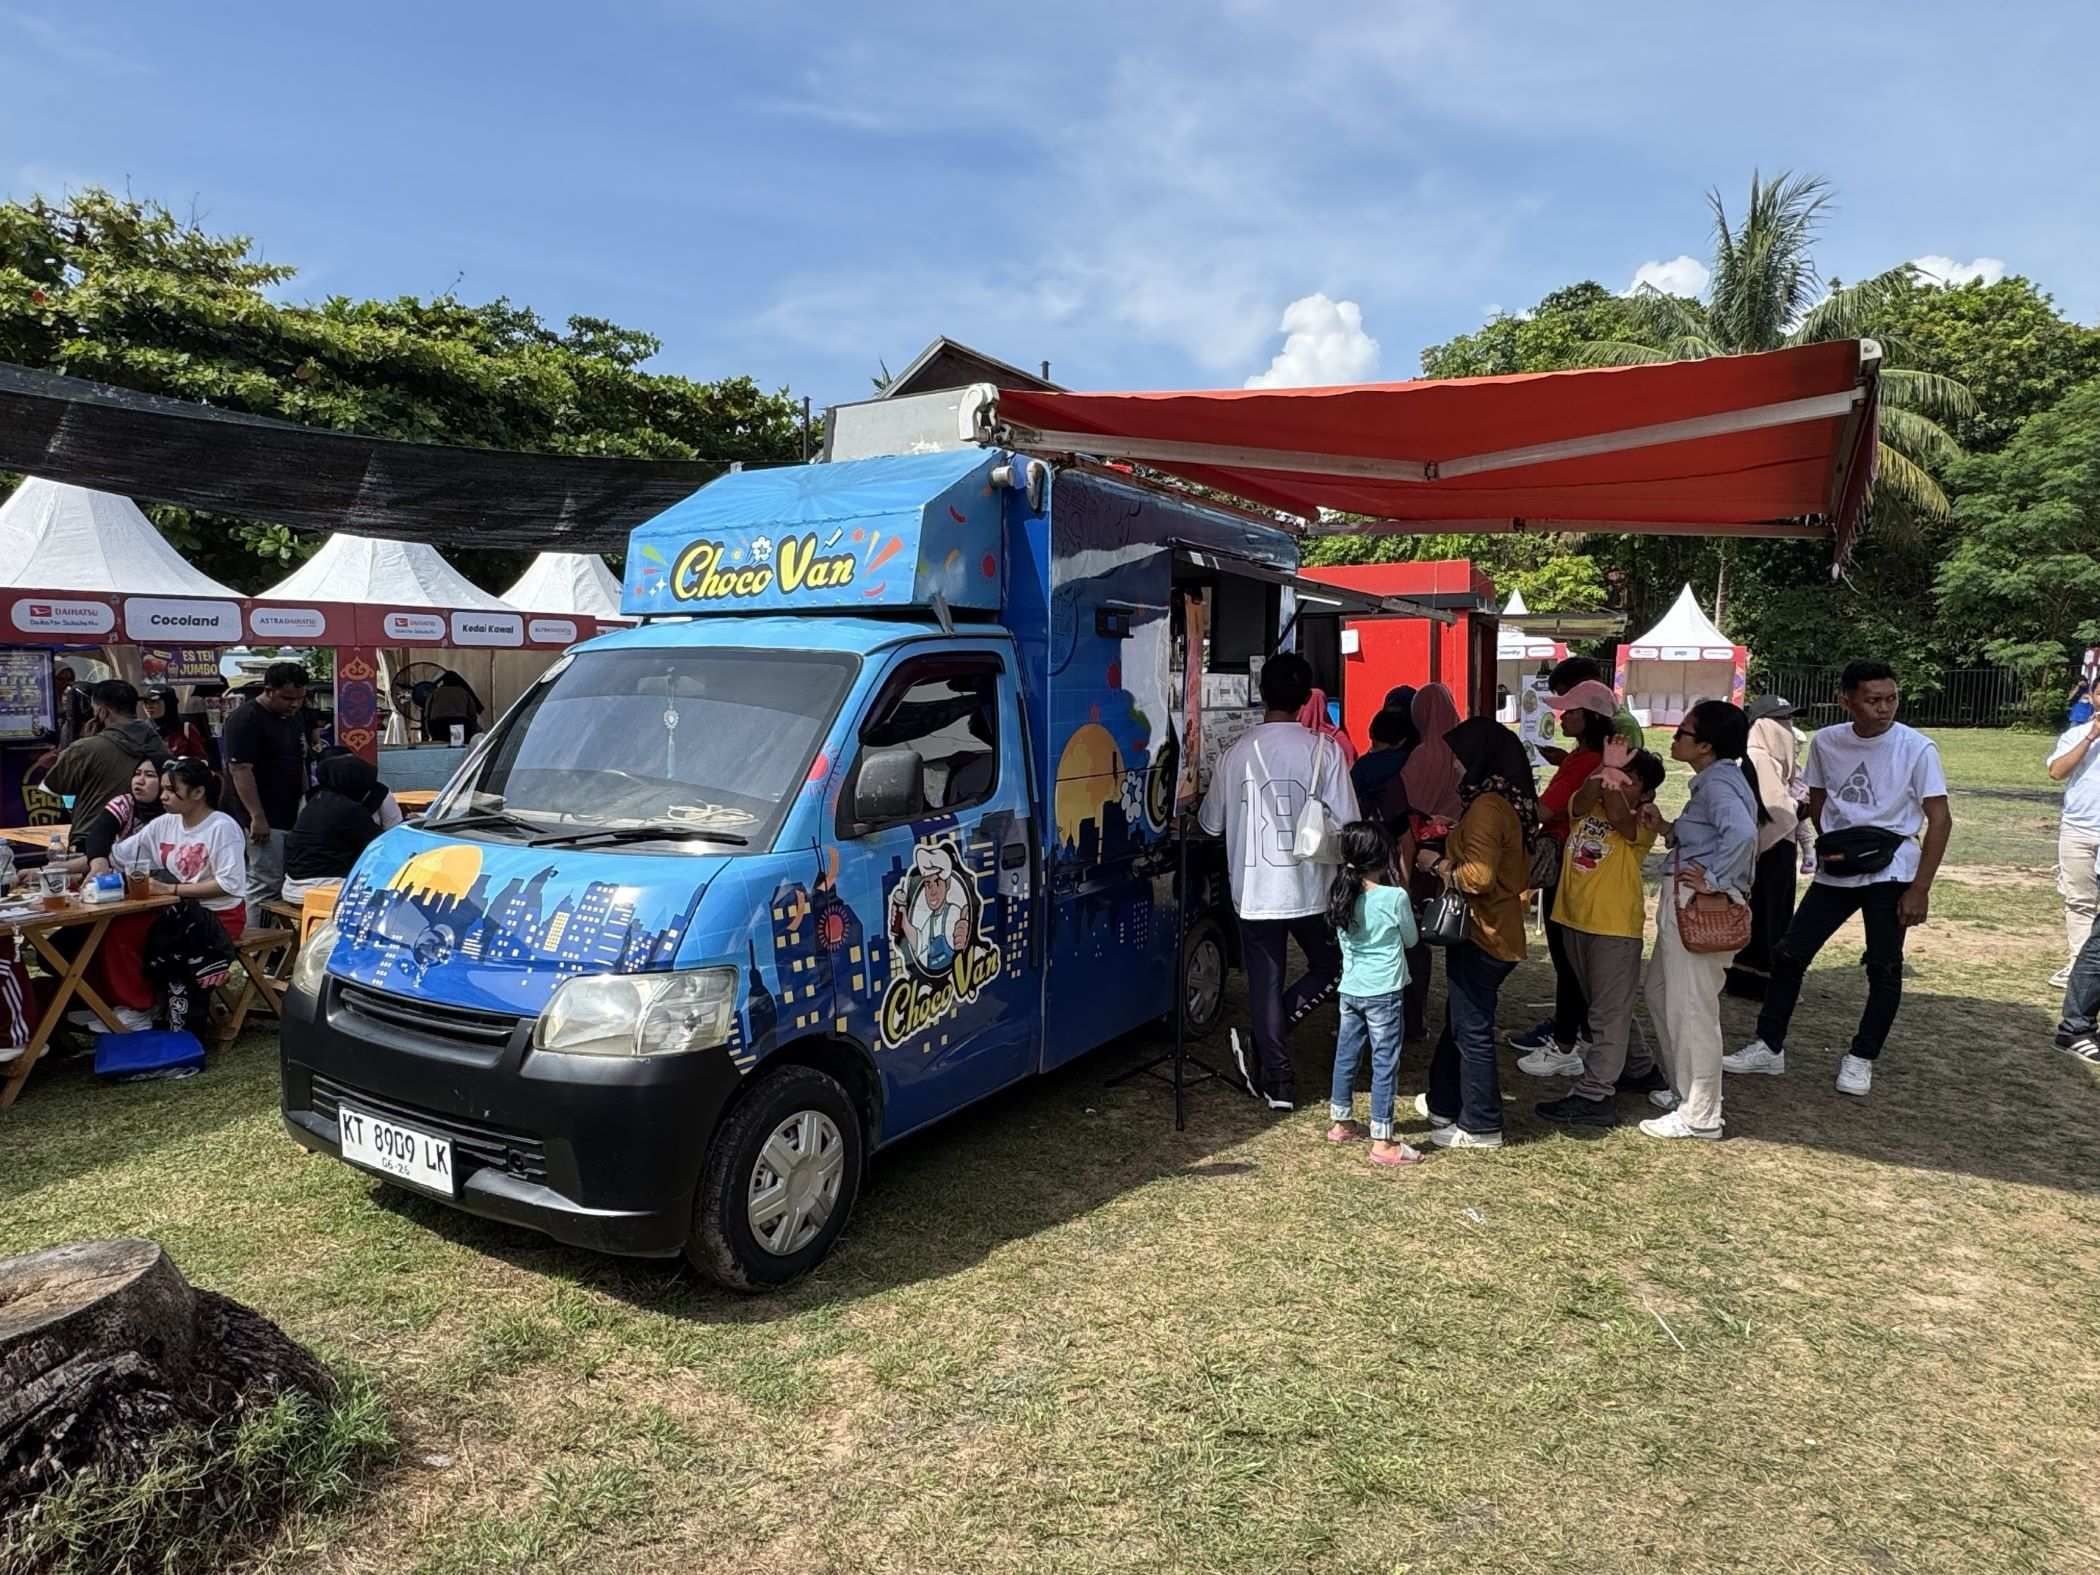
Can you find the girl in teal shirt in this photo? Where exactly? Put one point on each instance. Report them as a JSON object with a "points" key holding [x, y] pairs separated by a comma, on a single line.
{"points": [[1370, 909]]}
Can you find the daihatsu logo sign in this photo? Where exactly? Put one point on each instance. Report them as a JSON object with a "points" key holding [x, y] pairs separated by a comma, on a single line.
{"points": [[426, 627], [43, 615]]}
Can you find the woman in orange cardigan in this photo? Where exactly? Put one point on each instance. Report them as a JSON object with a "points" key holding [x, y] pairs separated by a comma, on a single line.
{"points": [[1488, 857]]}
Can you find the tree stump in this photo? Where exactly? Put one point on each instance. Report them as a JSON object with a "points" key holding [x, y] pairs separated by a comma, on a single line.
{"points": [[105, 1349]]}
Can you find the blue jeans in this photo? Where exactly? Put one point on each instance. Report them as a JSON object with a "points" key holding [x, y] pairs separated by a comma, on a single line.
{"points": [[1465, 1085], [1375, 1018]]}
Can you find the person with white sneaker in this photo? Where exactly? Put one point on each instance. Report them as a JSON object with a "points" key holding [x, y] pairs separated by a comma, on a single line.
{"points": [[2078, 1031], [1487, 857], [1879, 800], [1260, 786], [1714, 849], [2072, 762]]}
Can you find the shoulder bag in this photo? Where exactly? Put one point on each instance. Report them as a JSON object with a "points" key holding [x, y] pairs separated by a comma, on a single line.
{"points": [[1709, 921], [1316, 839]]}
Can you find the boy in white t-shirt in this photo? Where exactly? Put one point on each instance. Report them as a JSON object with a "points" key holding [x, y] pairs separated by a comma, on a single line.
{"points": [[1256, 793], [1873, 787]]}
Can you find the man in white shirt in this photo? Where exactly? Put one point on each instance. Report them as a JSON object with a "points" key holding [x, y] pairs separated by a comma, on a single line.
{"points": [[1261, 785], [1873, 782], [2072, 763]]}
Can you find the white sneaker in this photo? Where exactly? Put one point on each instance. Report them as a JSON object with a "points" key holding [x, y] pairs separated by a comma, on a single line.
{"points": [[1673, 1125], [131, 1019], [1451, 1135], [83, 1018], [1551, 1063], [1278, 1104], [1422, 1110], [1662, 1099], [2061, 979], [1854, 1075], [1756, 1056]]}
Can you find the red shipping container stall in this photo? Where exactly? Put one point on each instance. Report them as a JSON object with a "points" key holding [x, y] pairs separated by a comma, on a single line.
{"points": [[1378, 653]]}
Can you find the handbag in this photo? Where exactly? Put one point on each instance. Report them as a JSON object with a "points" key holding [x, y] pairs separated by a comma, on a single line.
{"points": [[1544, 873], [1316, 839], [1444, 919], [1711, 921]]}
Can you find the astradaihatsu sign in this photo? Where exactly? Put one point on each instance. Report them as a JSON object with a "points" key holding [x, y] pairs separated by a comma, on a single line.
{"points": [[287, 623]]}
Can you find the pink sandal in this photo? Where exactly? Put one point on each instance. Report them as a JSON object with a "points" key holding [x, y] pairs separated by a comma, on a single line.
{"points": [[1404, 1155], [1345, 1132]]}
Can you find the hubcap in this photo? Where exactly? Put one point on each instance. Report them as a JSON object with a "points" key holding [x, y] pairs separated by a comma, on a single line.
{"points": [[1206, 981], [795, 1184]]}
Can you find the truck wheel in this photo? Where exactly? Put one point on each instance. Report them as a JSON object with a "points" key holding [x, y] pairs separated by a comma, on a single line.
{"points": [[781, 1176], [1203, 969]]}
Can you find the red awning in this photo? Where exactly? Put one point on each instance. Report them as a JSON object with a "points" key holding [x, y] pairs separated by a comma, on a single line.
{"points": [[1775, 444]]}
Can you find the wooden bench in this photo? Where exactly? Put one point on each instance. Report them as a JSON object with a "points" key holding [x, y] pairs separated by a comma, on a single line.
{"points": [[266, 953]]}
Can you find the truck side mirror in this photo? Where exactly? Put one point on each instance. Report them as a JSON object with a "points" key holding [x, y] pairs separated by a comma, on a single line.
{"points": [[890, 786]]}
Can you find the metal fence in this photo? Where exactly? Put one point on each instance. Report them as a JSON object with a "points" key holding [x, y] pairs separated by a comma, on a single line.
{"points": [[1955, 697]]}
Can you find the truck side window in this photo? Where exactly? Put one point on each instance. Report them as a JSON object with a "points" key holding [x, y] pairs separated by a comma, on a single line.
{"points": [[947, 709]]}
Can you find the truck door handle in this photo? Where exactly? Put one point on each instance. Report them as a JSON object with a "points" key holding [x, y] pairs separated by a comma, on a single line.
{"points": [[1013, 855]]}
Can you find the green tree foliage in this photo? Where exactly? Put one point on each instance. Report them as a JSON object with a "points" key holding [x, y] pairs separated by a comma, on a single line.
{"points": [[1765, 294], [122, 291], [1553, 336], [1550, 577], [2022, 585], [2005, 342]]}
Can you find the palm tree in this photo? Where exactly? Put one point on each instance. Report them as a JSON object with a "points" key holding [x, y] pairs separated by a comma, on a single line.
{"points": [[1764, 293]]}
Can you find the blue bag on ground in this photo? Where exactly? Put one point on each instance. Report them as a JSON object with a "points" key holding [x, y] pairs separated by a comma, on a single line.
{"points": [[152, 1052]]}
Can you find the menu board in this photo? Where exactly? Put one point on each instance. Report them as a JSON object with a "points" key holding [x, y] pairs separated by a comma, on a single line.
{"points": [[25, 693]]}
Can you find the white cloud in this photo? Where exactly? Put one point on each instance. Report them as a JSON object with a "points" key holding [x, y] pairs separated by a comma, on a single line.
{"points": [[1325, 344], [1679, 276], [1945, 270]]}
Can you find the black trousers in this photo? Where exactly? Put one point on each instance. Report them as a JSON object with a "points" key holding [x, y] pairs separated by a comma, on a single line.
{"points": [[1420, 959], [1264, 943], [1772, 891], [1571, 1008], [1815, 921]]}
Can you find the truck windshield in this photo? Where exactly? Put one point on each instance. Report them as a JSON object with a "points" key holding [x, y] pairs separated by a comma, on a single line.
{"points": [[706, 746]]}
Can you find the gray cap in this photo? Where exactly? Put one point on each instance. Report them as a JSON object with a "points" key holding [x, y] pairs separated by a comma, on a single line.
{"points": [[1770, 706]]}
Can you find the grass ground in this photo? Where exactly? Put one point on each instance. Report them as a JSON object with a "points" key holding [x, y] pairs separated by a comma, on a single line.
{"points": [[1059, 1336]]}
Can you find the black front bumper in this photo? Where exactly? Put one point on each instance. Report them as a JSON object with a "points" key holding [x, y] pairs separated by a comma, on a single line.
{"points": [[602, 1152]]}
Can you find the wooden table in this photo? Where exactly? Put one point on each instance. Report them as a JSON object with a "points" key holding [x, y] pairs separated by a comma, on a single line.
{"points": [[414, 801], [36, 928], [36, 839]]}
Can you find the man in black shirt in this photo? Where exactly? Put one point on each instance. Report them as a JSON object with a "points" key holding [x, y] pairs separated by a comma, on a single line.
{"points": [[265, 744]]}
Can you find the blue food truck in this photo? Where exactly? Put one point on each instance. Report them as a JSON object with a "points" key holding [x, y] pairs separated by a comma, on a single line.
{"points": [[871, 815]]}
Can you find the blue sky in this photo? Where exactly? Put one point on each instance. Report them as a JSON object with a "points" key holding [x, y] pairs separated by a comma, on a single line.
{"points": [[1140, 193]]}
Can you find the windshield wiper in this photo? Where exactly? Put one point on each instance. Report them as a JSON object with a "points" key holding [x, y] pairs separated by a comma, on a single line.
{"points": [[480, 819], [659, 833]]}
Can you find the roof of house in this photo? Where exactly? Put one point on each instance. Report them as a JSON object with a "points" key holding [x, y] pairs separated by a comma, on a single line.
{"points": [[947, 364]]}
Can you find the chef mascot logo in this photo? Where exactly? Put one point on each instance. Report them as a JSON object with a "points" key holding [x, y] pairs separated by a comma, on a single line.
{"points": [[934, 923]]}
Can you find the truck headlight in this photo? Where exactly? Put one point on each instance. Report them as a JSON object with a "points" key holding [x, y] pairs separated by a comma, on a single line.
{"points": [[311, 966], [639, 1013]]}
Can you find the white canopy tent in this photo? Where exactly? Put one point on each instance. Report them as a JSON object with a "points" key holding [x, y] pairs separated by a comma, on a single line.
{"points": [[367, 571], [59, 538], [569, 583], [1682, 660], [1518, 656]]}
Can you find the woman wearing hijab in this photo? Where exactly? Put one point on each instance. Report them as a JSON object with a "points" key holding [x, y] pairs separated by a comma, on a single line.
{"points": [[1429, 781], [1313, 715], [452, 703], [335, 825], [1488, 857], [1771, 752]]}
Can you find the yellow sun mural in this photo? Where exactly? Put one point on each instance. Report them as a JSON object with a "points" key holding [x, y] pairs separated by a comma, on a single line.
{"points": [[448, 871], [1089, 774]]}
